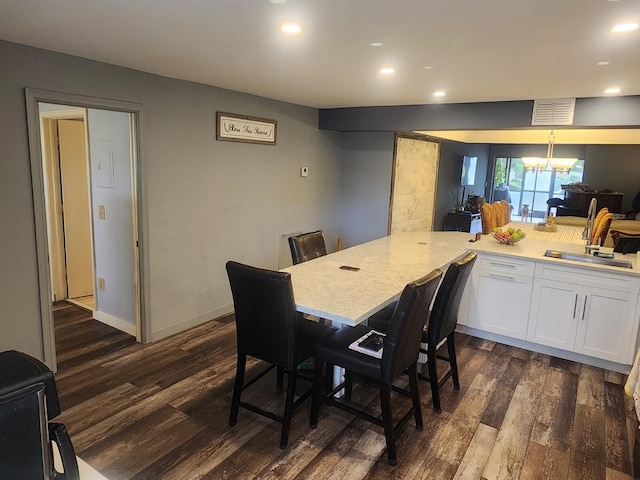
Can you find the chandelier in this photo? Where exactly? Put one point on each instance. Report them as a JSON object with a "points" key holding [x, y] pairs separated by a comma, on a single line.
{"points": [[557, 165]]}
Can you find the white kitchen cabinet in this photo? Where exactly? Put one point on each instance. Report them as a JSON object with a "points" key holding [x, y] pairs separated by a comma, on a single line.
{"points": [[606, 325], [500, 295], [587, 312], [554, 314]]}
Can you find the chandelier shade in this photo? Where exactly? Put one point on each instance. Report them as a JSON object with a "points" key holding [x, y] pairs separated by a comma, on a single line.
{"points": [[557, 165]]}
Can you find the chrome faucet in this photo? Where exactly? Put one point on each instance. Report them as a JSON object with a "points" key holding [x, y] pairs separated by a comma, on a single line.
{"points": [[587, 234]]}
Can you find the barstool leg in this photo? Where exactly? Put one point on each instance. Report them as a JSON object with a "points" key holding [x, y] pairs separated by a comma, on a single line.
{"points": [[453, 361], [415, 396], [288, 408], [237, 389], [387, 420]]}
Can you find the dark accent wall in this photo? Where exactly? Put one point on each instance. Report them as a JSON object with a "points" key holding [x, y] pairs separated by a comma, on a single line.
{"points": [[589, 112], [449, 170]]}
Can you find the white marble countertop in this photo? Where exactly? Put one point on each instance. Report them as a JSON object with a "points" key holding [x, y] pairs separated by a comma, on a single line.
{"points": [[385, 265], [533, 246]]}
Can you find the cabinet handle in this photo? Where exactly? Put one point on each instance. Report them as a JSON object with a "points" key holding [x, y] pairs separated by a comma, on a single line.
{"points": [[575, 306], [584, 307], [506, 277], [508, 265]]}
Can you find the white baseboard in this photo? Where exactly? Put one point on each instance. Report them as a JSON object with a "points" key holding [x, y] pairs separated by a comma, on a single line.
{"points": [[114, 322], [193, 322]]}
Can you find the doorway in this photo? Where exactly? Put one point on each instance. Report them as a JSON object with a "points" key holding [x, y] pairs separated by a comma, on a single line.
{"points": [[68, 204], [110, 132]]}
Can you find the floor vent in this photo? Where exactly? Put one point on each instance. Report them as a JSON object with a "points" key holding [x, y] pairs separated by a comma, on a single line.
{"points": [[558, 111]]}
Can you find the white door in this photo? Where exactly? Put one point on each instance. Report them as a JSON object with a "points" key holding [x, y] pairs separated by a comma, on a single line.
{"points": [[115, 242], [74, 179]]}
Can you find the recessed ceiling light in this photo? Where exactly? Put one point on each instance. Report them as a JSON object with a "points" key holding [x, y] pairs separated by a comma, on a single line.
{"points": [[387, 70], [612, 90], [291, 28], [429, 67], [625, 27], [439, 93], [603, 63], [375, 44]]}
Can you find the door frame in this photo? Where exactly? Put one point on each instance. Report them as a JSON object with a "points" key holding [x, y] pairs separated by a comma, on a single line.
{"points": [[138, 121]]}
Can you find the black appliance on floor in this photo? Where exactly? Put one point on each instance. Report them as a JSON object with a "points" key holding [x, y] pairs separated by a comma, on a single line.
{"points": [[28, 401]]}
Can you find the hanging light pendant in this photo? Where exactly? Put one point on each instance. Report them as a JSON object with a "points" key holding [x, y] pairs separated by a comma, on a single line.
{"points": [[534, 164], [562, 165], [557, 165]]}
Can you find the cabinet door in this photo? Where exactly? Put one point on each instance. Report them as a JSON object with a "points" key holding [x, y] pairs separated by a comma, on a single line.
{"points": [[499, 302], [553, 318], [606, 325]]}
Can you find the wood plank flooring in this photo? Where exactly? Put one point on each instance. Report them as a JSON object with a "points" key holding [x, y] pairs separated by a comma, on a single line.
{"points": [[160, 411]]}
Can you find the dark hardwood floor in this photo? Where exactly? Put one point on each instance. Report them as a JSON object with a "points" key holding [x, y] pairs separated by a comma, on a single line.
{"points": [[160, 411]]}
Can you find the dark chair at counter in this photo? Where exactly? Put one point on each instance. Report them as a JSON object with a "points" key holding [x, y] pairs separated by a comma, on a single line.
{"points": [[441, 325], [269, 328], [307, 246], [399, 354], [554, 203]]}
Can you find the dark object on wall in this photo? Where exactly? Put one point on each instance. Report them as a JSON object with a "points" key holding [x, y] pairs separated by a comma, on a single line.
{"points": [[468, 176], [28, 400]]}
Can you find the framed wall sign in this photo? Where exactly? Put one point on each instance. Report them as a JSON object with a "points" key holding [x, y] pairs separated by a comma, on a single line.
{"points": [[241, 128]]}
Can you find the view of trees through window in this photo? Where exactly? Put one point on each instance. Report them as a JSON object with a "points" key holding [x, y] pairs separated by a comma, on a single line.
{"points": [[520, 187]]}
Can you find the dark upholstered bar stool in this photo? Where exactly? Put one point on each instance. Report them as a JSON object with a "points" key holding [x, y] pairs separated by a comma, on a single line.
{"points": [[307, 246], [441, 326], [399, 354], [268, 327]]}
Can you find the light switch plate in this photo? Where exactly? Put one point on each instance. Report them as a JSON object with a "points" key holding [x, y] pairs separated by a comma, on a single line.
{"points": [[304, 171], [101, 212]]}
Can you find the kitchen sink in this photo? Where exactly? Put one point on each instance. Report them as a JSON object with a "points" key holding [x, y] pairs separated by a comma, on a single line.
{"points": [[577, 257]]}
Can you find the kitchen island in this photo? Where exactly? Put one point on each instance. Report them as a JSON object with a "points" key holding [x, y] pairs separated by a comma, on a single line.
{"points": [[585, 312]]}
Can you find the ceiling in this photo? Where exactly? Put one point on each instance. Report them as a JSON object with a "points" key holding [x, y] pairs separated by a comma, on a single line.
{"points": [[489, 50]]}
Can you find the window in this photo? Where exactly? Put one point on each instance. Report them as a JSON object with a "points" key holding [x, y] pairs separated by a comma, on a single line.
{"points": [[519, 187]]}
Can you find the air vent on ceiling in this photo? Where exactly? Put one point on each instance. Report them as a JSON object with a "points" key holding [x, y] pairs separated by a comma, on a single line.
{"points": [[558, 111]]}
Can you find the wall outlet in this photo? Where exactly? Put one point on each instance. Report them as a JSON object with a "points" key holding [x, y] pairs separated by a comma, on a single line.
{"points": [[101, 212], [101, 283]]}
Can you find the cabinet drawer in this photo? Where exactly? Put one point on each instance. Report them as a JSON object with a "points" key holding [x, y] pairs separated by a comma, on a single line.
{"points": [[508, 265], [588, 277]]}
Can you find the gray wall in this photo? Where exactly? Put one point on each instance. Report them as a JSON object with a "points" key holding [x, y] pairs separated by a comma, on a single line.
{"points": [[365, 186], [203, 201], [366, 182], [616, 167]]}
